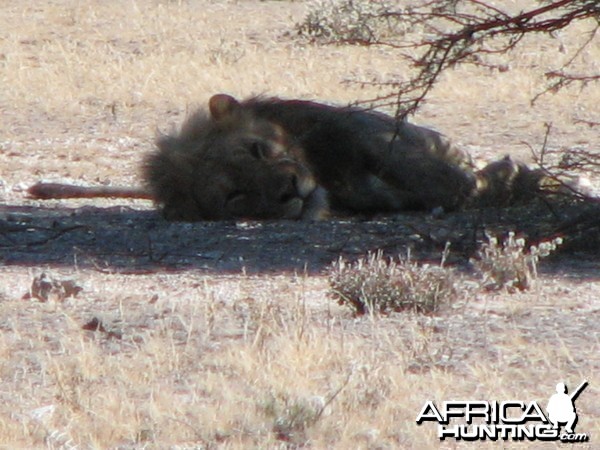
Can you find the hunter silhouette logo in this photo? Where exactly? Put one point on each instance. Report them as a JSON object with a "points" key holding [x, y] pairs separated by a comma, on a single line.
{"points": [[561, 407], [514, 419]]}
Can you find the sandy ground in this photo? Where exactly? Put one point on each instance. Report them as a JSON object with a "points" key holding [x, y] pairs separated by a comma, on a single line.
{"points": [[223, 343]]}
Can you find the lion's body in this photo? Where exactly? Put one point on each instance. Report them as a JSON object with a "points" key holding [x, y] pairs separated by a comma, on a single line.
{"points": [[312, 159], [292, 159]]}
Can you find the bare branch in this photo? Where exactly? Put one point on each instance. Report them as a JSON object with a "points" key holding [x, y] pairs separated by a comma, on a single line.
{"points": [[462, 32]]}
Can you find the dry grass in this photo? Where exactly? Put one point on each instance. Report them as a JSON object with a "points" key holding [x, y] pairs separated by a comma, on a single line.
{"points": [[510, 265], [376, 284], [231, 361], [254, 362]]}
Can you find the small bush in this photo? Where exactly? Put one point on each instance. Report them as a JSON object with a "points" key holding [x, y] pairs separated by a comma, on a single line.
{"points": [[378, 284], [350, 21], [510, 265], [292, 418]]}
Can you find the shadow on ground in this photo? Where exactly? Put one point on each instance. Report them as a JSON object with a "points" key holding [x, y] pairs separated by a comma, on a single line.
{"points": [[126, 240]]}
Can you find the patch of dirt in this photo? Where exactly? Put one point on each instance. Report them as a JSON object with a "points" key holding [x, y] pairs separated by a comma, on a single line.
{"points": [[202, 306], [133, 240]]}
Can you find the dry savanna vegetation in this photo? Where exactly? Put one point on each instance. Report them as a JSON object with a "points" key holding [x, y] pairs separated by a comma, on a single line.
{"points": [[98, 352]]}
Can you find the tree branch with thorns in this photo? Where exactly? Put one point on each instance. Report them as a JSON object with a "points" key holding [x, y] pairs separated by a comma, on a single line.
{"points": [[452, 33], [456, 38]]}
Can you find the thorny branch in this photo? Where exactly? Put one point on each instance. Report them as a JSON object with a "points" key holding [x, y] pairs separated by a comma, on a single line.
{"points": [[465, 31], [559, 165]]}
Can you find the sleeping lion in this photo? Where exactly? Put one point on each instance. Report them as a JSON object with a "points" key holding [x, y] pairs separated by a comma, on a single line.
{"points": [[268, 158]]}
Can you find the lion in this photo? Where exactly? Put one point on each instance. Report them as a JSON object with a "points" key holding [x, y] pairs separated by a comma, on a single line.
{"points": [[268, 158], [271, 158]]}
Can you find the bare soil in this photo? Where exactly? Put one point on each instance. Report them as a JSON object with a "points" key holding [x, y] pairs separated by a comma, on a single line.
{"points": [[210, 335]]}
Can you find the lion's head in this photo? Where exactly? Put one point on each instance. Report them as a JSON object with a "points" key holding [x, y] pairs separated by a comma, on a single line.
{"points": [[229, 164]]}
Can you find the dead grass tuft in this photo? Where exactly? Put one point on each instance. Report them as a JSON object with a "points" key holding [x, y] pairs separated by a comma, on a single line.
{"points": [[377, 284], [510, 265], [349, 21]]}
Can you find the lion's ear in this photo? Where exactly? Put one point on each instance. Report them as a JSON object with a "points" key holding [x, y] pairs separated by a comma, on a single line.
{"points": [[222, 106]]}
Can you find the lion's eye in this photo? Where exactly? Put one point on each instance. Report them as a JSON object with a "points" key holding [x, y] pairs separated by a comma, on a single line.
{"points": [[259, 150]]}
